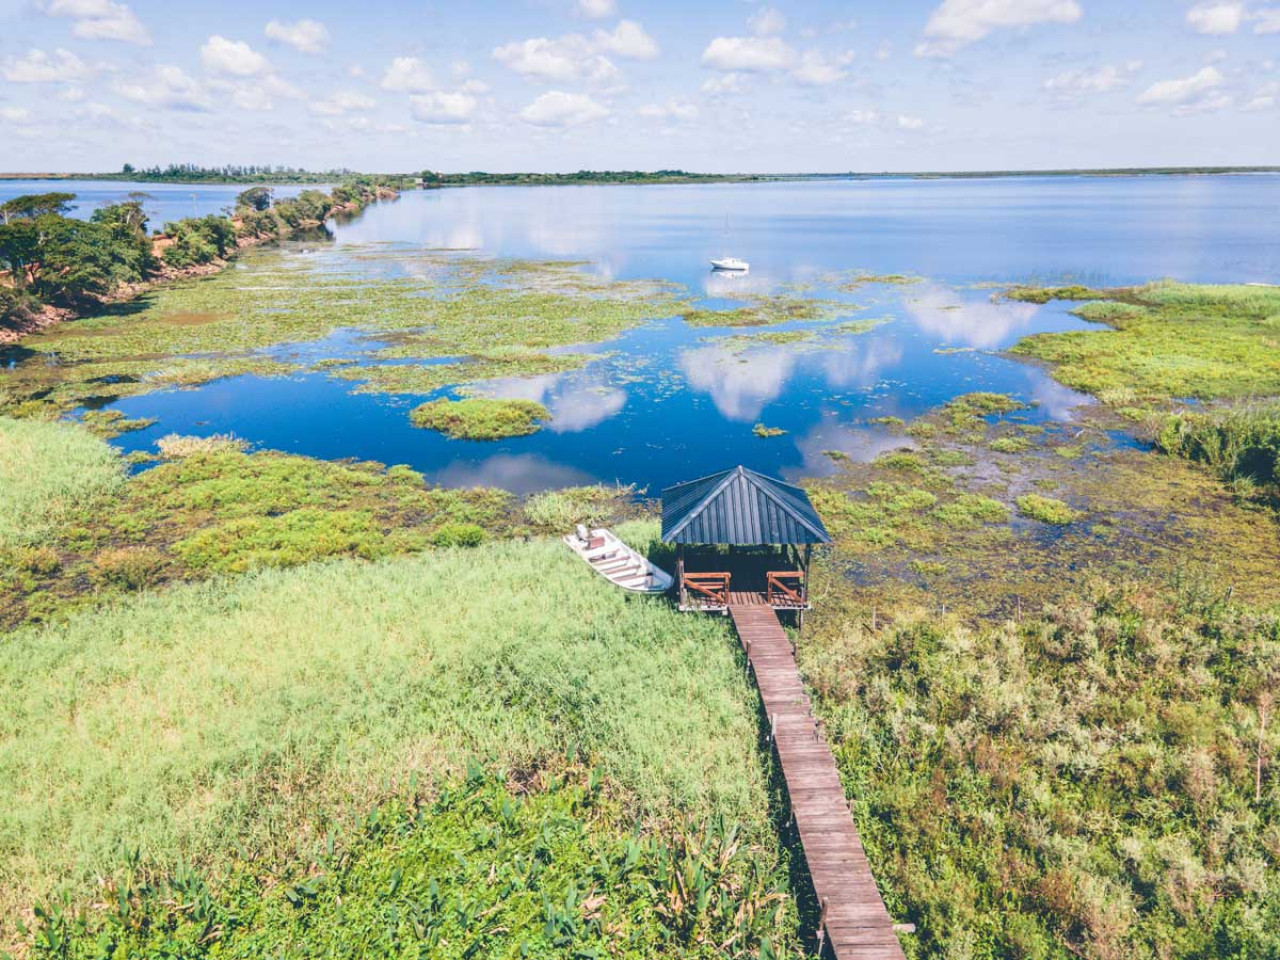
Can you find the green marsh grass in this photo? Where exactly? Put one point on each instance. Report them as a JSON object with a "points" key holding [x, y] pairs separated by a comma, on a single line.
{"points": [[49, 471], [251, 716], [1170, 341]]}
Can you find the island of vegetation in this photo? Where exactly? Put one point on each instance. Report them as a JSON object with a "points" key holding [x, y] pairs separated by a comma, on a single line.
{"points": [[258, 702]]}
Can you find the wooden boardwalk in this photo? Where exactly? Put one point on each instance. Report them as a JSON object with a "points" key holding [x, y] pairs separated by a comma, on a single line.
{"points": [[855, 924]]}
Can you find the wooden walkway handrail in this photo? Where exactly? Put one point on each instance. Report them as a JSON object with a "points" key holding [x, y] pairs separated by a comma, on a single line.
{"points": [[853, 921], [714, 586], [779, 593]]}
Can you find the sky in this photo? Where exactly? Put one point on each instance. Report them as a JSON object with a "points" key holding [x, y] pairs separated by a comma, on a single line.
{"points": [[714, 85]]}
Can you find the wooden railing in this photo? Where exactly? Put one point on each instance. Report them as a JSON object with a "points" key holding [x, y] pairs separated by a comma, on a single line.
{"points": [[785, 588], [709, 588]]}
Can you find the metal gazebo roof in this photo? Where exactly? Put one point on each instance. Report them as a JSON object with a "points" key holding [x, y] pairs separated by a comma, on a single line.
{"points": [[739, 506]]}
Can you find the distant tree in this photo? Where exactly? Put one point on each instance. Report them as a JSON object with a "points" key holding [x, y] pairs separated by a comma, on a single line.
{"points": [[33, 205], [255, 198], [19, 250], [127, 168]]}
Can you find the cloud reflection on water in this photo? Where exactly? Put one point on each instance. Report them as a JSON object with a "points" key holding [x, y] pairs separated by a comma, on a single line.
{"points": [[741, 384], [945, 314], [576, 402], [520, 473]]}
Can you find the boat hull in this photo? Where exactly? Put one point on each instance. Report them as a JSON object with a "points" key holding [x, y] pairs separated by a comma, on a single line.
{"points": [[620, 564]]}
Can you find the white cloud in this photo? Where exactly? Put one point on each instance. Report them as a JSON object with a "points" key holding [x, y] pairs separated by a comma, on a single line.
{"points": [[1264, 98], [771, 55], [628, 40], [571, 57], [722, 83], [15, 114], [99, 20], [597, 9], [1266, 20], [305, 36], [817, 70], [559, 109], [166, 86], [38, 67], [1077, 83], [864, 117], [958, 23], [768, 22], [444, 108], [408, 75], [748, 54], [1216, 19], [474, 86], [1200, 91], [910, 123], [260, 93], [232, 57], [343, 101], [671, 110]]}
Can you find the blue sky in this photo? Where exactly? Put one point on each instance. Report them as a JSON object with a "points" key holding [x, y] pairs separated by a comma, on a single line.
{"points": [[717, 85]]}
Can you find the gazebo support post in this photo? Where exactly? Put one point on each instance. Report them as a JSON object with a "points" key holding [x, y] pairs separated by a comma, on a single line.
{"points": [[680, 573]]}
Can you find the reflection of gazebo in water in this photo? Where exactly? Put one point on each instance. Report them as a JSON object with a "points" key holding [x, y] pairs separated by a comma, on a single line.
{"points": [[738, 536]]}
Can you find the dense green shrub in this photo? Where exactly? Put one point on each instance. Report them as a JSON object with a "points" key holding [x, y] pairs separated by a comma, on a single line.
{"points": [[1241, 444], [482, 870], [198, 240]]}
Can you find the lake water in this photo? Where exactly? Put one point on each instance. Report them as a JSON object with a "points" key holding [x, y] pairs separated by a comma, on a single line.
{"points": [[164, 202], [666, 402]]}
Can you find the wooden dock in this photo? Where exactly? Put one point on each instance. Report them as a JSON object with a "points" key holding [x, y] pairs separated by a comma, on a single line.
{"points": [[854, 923]]}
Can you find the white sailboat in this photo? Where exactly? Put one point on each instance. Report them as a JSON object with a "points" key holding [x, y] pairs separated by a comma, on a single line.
{"points": [[726, 262]]}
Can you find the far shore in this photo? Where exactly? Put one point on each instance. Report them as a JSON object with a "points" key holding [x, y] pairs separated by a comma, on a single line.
{"points": [[642, 178]]}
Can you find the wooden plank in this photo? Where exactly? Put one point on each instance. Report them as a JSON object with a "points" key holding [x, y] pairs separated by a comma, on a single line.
{"points": [[855, 923]]}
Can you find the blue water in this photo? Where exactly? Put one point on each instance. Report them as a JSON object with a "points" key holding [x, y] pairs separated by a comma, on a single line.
{"points": [[668, 402], [163, 203]]}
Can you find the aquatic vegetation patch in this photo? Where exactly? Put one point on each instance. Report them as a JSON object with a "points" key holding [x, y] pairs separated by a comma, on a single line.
{"points": [[1010, 444], [857, 279], [971, 510], [765, 309], [1183, 340], [481, 418], [257, 720], [456, 306], [112, 423], [1042, 295], [1077, 781], [1047, 510], [1144, 514], [482, 869], [764, 432], [175, 446], [490, 365]]}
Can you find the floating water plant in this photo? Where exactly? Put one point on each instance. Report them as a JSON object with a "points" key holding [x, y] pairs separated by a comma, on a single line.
{"points": [[1046, 510], [481, 418], [760, 430]]}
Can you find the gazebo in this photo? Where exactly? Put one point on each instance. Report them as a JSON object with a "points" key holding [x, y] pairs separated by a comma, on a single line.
{"points": [[738, 536]]}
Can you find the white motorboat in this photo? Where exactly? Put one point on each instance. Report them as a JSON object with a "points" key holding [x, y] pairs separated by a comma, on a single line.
{"points": [[616, 562], [731, 263]]}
